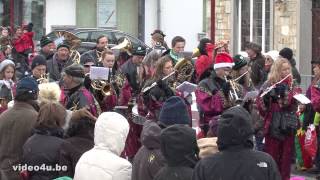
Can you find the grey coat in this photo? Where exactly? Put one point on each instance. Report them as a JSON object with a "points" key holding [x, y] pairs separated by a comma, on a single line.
{"points": [[53, 67], [15, 128]]}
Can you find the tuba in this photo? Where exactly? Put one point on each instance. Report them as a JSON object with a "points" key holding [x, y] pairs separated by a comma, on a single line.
{"points": [[72, 40], [125, 46], [184, 69]]}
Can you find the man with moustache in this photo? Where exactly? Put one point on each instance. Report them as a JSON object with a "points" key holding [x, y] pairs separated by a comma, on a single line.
{"points": [[60, 60], [101, 44]]}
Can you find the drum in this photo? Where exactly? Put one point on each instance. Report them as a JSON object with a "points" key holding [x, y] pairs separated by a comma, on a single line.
{"points": [[136, 118]]}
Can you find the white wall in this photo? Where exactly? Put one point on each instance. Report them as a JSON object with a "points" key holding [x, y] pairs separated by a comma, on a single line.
{"points": [[60, 12], [150, 19], [304, 44], [177, 19]]}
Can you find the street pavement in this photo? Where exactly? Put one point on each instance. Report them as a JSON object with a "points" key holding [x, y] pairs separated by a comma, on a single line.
{"points": [[307, 175]]}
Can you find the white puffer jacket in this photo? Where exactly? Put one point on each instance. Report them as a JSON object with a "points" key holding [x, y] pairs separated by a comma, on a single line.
{"points": [[103, 161]]}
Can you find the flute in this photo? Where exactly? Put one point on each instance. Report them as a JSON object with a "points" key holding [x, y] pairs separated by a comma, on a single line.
{"points": [[155, 83]]}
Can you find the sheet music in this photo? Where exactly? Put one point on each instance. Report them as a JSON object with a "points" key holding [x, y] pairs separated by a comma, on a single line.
{"points": [[99, 73], [187, 87], [302, 98]]}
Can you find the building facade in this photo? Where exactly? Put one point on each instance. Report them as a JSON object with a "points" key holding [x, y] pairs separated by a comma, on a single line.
{"points": [[274, 24], [175, 18], [48, 14], [117, 14], [14, 13]]}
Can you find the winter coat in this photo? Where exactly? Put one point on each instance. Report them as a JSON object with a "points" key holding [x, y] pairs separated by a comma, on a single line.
{"points": [[129, 69], [54, 68], [71, 151], [93, 53], [269, 105], [7, 92], [43, 148], [47, 56], [295, 72], [258, 75], [148, 160], [24, 43], [211, 100], [279, 143], [204, 61], [80, 97], [180, 149], [133, 141], [15, 128], [236, 159], [103, 161], [237, 164], [315, 98], [154, 99]]}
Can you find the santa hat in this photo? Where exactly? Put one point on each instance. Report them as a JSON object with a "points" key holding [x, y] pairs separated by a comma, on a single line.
{"points": [[223, 60]]}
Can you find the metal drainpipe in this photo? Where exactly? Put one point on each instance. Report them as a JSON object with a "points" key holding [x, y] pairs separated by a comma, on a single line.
{"points": [[141, 19], [158, 14], [213, 22]]}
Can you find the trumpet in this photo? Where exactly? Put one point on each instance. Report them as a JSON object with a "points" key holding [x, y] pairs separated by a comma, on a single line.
{"points": [[44, 78], [102, 85], [233, 92]]}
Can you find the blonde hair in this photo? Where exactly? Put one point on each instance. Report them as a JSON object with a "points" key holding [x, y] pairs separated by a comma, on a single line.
{"points": [[275, 72], [49, 92]]}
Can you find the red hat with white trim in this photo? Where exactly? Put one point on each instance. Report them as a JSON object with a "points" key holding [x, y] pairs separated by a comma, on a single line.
{"points": [[223, 60]]}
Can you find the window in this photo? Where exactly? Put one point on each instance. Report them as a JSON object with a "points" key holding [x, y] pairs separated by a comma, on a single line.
{"points": [[83, 36], [33, 11], [96, 34], [254, 26]]}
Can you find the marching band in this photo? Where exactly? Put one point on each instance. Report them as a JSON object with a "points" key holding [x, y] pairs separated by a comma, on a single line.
{"points": [[140, 81]]}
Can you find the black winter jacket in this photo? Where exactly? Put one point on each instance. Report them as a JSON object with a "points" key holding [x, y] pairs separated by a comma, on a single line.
{"points": [[148, 160], [42, 150], [180, 149]]}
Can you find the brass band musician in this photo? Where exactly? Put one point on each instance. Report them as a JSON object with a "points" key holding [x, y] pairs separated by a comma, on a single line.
{"points": [[213, 94], [101, 45]]}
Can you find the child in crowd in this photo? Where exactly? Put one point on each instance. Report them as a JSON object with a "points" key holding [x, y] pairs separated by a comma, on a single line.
{"points": [[7, 82]]}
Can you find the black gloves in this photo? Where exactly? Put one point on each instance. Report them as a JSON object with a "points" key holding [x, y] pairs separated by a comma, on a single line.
{"points": [[166, 89], [281, 90], [161, 84], [29, 27], [226, 87]]}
